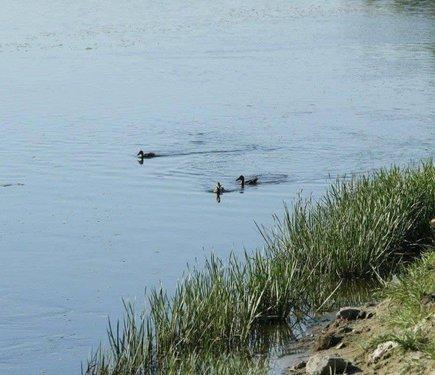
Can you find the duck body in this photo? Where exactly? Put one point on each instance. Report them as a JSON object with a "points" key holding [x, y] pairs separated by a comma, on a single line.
{"points": [[146, 155], [218, 189], [243, 181]]}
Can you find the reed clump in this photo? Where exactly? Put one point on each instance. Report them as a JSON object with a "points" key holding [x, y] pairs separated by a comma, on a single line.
{"points": [[364, 227]]}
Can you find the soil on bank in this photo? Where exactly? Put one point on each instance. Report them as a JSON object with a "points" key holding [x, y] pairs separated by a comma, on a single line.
{"points": [[370, 343]]}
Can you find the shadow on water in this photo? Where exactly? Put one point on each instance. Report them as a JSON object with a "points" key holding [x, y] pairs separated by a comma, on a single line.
{"points": [[424, 7], [12, 184], [276, 340], [353, 293], [219, 195]]}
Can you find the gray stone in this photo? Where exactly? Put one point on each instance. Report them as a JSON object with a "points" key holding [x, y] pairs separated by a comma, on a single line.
{"points": [[395, 280], [417, 356], [325, 365], [383, 350], [351, 313], [326, 341], [428, 299]]}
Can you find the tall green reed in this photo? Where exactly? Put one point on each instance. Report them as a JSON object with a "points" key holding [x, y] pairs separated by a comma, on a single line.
{"points": [[362, 228]]}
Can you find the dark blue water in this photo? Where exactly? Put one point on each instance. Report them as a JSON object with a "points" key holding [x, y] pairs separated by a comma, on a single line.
{"points": [[291, 91]]}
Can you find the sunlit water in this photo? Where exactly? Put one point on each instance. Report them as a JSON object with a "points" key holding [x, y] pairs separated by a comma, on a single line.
{"points": [[293, 91]]}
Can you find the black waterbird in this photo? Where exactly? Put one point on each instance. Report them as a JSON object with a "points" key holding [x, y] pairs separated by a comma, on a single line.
{"points": [[218, 189], [243, 182], [148, 155]]}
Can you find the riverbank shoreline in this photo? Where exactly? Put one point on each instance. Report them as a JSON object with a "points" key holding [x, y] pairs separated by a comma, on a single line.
{"points": [[364, 228], [368, 339]]}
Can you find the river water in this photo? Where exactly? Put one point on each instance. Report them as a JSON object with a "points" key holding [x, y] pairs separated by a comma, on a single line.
{"points": [[296, 92]]}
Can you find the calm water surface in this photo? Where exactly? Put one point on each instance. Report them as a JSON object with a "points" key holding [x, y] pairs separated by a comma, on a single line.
{"points": [[294, 91]]}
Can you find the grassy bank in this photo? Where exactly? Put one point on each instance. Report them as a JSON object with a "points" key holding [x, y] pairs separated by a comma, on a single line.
{"points": [[395, 335], [363, 228], [409, 317]]}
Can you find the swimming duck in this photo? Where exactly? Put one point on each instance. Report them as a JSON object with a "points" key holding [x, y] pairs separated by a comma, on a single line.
{"points": [[243, 182], [218, 189], [147, 155]]}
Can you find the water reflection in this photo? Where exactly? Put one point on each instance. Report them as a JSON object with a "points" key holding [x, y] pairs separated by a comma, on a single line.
{"points": [[272, 339], [353, 293], [12, 184], [426, 7], [415, 6], [275, 340]]}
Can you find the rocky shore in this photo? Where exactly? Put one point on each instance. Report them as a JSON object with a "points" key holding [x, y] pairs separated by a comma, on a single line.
{"points": [[358, 341]]}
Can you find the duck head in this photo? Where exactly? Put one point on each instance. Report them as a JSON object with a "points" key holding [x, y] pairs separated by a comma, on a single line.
{"points": [[140, 154], [242, 180]]}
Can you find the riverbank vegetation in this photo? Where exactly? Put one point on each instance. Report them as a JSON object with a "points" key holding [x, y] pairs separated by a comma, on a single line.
{"points": [[393, 334], [410, 316], [364, 228]]}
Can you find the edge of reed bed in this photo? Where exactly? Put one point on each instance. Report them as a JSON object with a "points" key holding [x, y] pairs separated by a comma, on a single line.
{"points": [[362, 228]]}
